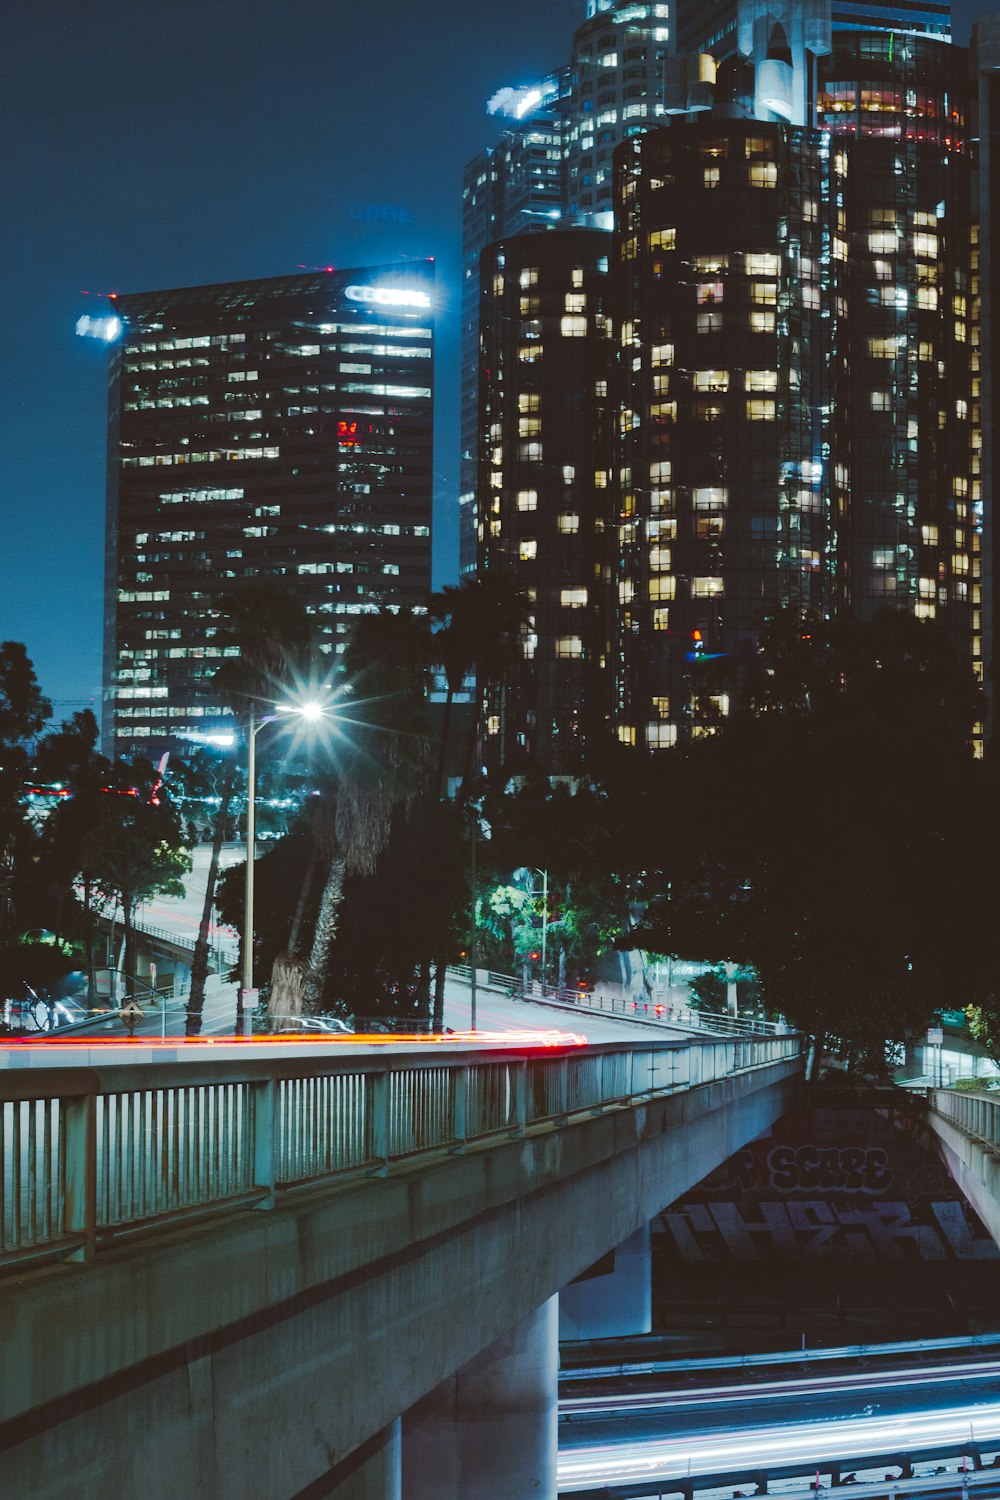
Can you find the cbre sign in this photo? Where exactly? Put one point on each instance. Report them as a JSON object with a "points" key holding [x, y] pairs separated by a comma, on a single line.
{"points": [[388, 296]]}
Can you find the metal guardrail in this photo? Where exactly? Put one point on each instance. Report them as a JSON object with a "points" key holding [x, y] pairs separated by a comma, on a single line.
{"points": [[87, 1154], [718, 1023], [626, 1368], [976, 1114]]}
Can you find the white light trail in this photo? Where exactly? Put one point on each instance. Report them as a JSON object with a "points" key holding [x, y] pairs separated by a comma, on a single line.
{"points": [[805, 1443]]}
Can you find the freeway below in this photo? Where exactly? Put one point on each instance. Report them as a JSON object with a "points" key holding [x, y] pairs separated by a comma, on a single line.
{"points": [[616, 1441]]}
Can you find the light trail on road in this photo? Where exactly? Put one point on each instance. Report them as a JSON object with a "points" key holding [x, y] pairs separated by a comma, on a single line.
{"points": [[786, 1445], [771, 1390]]}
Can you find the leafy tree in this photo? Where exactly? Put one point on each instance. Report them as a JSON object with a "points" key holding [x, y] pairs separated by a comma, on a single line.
{"points": [[23, 712], [483, 621], [133, 850], [381, 760], [266, 636]]}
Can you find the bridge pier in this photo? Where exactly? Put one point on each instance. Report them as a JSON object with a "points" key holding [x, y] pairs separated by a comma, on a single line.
{"points": [[490, 1429], [614, 1299], [372, 1472]]}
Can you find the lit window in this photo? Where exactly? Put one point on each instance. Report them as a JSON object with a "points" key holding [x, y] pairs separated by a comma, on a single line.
{"points": [[573, 328], [881, 401], [573, 598], [568, 523], [529, 353], [710, 322], [711, 380], [706, 588], [712, 176], [762, 380], [662, 587], [927, 298], [709, 497], [926, 244], [527, 499], [529, 276], [763, 264], [569, 646], [662, 239], [929, 535], [528, 550], [661, 736], [527, 401], [761, 411], [763, 174], [882, 242], [882, 348], [760, 322]]}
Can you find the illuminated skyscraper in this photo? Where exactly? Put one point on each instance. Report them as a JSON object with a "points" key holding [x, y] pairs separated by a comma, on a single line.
{"points": [[714, 25], [278, 428], [553, 167], [545, 372], [798, 371]]}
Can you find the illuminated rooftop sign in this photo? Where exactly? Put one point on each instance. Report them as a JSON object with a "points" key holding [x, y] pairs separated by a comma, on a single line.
{"points": [[388, 296], [107, 329]]}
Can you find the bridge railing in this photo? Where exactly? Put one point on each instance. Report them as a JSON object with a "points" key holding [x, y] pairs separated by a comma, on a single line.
{"points": [[88, 1154], [976, 1114], [720, 1022]]}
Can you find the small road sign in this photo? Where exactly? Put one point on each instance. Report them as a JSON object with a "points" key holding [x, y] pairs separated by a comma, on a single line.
{"points": [[131, 1014], [935, 1036]]}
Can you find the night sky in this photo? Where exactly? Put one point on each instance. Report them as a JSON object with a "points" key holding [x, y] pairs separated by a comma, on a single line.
{"points": [[150, 144]]}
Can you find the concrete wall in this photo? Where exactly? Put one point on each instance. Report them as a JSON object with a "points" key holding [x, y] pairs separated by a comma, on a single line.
{"points": [[246, 1358], [976, 1169]]}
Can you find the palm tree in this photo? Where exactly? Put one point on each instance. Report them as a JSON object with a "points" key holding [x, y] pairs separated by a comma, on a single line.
{"points": [[381, 762], [265, 635], [484, 619]]}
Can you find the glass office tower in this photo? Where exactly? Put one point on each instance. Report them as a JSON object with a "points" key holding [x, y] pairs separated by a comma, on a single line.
{"points": [[553, 167], [797, 374], [276, 428], [545, 372]]}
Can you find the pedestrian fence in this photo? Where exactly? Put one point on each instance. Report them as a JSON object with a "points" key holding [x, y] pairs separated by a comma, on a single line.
{"points": [[976, 1114], [719, 1023], [89, 1154]]}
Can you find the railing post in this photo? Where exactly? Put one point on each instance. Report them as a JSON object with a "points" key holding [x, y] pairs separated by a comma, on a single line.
{"points": [[520, 1083], [264, 1097], [81, 1173], [459, 1108], [562, 1090], [378, 1095]]}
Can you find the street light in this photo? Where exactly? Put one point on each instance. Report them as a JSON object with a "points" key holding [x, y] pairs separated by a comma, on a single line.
{"points": [[529, 871], [310, 711]]}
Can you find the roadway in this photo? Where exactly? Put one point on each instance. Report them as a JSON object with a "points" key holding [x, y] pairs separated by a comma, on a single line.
{"points": [[626, 1437]]}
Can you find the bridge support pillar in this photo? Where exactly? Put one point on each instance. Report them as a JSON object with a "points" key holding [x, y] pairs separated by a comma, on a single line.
{"points": [[372, 1472], [614, 1299], [490, 1429]]}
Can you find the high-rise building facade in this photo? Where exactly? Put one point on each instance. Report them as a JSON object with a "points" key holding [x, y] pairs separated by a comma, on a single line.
{"points": [[273, 428], [714, 25], [546, 368], [553, 167], [797, 366]]}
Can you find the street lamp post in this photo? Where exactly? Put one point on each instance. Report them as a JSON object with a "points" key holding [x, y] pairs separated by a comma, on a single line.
{"points": [[310, 711]]}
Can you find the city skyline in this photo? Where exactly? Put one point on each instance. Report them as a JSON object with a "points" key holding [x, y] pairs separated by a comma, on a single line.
{"points": [[337, 174], [367, 188]]}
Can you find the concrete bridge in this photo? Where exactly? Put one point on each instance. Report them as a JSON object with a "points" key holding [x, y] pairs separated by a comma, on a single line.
{"points": [[967, 1127], [330, 1271]]}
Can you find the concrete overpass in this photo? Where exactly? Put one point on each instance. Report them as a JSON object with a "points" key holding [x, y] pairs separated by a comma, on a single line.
{"points": [[967, 1128], [329, 1271]]}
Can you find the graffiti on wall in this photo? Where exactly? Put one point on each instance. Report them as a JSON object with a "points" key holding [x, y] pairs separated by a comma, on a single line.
{"points": [[845, 1184]]}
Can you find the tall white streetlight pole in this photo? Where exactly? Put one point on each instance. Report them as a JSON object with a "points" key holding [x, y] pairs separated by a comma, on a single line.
{"points": [[310, 711]]}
